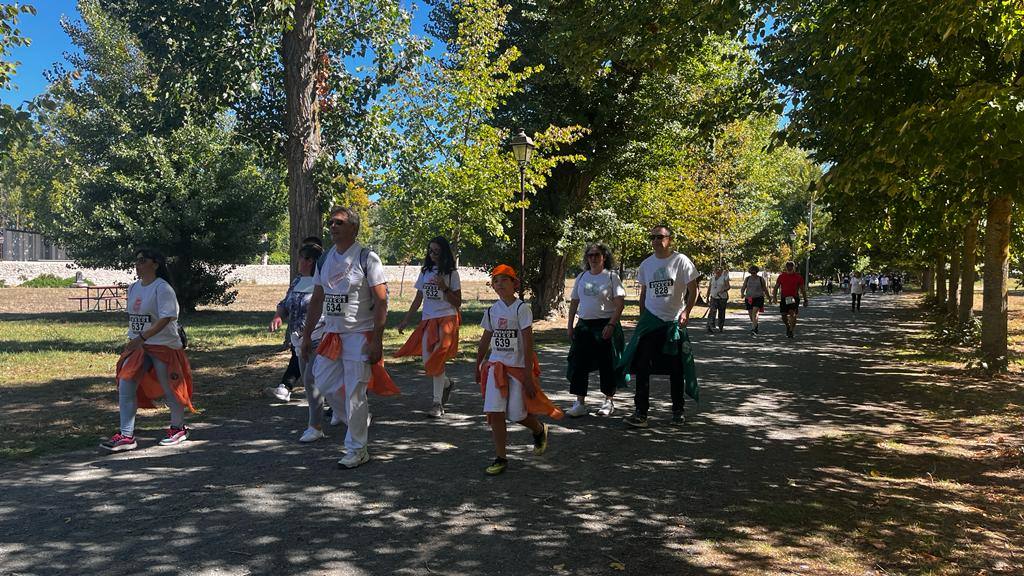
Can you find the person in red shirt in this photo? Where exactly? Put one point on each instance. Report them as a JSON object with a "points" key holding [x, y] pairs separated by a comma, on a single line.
{"points": [[792, 285]]}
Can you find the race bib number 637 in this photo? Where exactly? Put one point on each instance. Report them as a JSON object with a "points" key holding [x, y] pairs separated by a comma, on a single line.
{"points": [[137, 322]]}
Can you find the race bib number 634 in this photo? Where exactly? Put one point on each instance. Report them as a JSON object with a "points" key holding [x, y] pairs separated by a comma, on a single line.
{"points": [[334, 304]]}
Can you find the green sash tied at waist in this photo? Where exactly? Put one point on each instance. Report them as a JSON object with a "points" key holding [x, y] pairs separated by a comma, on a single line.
{"points": [[592, 329], [677, 342]]}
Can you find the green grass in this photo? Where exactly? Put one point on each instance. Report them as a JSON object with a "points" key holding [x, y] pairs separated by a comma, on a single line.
{"points": [[51, 281]]}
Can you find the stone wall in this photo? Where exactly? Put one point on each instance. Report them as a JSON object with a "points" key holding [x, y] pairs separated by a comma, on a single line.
{"points": [[13, 273]]}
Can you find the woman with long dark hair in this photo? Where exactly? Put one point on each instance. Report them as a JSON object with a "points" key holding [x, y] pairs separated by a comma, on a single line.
{"points": [[596, 340], [153, 363], [436, 338]]}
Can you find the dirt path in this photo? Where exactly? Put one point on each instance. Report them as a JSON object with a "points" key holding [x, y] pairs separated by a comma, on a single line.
{"points": [[777, 472]]}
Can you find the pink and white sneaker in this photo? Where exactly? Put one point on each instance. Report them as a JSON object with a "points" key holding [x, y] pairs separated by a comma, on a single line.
{"points": [[175, 436], [119, 443]]}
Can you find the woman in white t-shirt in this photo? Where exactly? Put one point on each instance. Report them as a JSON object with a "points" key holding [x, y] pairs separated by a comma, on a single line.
{"points": [[436, 338], [596, 340], [153, 363]]}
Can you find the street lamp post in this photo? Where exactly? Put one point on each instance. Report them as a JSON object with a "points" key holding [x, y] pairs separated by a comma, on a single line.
{"points": [[522, 148]]}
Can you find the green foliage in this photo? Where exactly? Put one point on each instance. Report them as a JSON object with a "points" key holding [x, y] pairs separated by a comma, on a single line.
{"points": [[10, 37], [50, 281], [195, 192], [452, 172]]}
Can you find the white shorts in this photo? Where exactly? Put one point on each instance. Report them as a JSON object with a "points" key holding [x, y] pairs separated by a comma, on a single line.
{"points": [[514, 406]]}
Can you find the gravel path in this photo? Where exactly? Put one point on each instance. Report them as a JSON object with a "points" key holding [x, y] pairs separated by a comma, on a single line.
{"points": [[243, 497]]}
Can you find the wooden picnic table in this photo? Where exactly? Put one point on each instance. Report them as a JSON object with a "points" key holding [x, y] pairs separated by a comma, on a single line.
{"points": [[102, 297]]}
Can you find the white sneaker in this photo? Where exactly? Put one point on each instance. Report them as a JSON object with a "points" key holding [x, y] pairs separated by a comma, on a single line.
{"points": [[354, 458], [578, 409], [311, 435], [436, 411], [281, 392], [607, 408]]}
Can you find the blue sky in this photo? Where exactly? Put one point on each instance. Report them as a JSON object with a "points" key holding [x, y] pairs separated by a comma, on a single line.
{"points": [[48, 46], [49, 43]]}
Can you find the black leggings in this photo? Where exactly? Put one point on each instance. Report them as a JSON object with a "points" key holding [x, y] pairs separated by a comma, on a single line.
{"points": [[856, 301], [649, 358], [593, 353]]}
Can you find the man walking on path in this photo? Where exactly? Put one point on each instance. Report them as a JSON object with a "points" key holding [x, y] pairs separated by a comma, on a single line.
{"points": [[660, 344], [349, 289], [792, 285]]}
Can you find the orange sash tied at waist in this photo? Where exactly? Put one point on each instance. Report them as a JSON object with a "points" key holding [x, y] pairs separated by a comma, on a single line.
{"points": [[539, 404], [380, 381], [442, 336], [129, 367]]}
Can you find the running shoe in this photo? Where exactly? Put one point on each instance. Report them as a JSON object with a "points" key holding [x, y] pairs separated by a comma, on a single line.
{"points": [[119, 443], [607, 408], [436, 411], [311, 435], [497, 467], [540, 441], [354, 458], [281, 392], [636, 421], [578, 409], [175, 435], [711, 330], [447, 393], [678, 419]]}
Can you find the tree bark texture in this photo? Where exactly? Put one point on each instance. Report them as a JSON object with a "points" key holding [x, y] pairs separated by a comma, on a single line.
{"points": [[928, 280], [952, 294], [299, 51], [968, 262], [996, 277], [940, 279], [561, 199]]}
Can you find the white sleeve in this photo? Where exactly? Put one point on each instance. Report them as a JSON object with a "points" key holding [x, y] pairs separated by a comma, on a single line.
{"points": [[525, 316], [420, 281], [686, 272], [316, 273], [374, 270], [640, 276], [454, 282], [618, 290], [167, 302], [485, 321]]}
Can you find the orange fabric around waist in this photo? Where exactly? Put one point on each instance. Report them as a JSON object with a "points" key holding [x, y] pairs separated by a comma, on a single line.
{"points": [[442, 336], [539, 404], [380, 381], [129, 367]]}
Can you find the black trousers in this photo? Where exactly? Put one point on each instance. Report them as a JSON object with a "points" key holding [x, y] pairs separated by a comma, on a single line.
{"points": [[291, 373], [856, 301], [649, 360], [592, 353]]}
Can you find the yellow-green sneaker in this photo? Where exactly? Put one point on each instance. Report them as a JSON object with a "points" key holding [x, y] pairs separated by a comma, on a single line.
{"points": [[497, 467], [540, 441]]}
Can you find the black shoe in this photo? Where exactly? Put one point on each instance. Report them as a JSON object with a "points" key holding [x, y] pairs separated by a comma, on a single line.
{"points": [[678, 419], [711, 330]]}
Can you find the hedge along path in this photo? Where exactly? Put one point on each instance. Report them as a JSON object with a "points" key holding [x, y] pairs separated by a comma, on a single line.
{"points": [[827, 455]]}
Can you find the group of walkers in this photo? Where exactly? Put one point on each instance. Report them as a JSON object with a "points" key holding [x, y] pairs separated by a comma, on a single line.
{"points": [[337, 311], [789, 286]]}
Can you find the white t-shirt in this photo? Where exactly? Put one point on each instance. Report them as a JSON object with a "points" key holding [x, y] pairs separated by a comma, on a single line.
{"points": [[856, 285], [506, 324], [148, 304], [718, 286], [347, 295], [665, 280], [435, 305], [596, 294]]}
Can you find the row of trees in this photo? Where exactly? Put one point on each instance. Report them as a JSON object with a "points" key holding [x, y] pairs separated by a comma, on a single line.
{"points": [[180, 115]]}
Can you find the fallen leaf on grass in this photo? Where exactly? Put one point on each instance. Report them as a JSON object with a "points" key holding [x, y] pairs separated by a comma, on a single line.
{"points": [[878, 544], [618, 566]]}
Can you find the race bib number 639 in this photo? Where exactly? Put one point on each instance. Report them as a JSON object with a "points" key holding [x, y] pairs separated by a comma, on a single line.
{"points": [[505, 340]]}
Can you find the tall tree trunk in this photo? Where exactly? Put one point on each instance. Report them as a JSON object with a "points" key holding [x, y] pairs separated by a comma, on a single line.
{"points": [[928, 280], [299, 48], [954, 281], [967, 271], [997, 268], [558, 201], [940, 279]]}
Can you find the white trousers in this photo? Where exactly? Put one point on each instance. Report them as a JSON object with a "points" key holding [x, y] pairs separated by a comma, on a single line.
{"points": [[347, 378]]}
